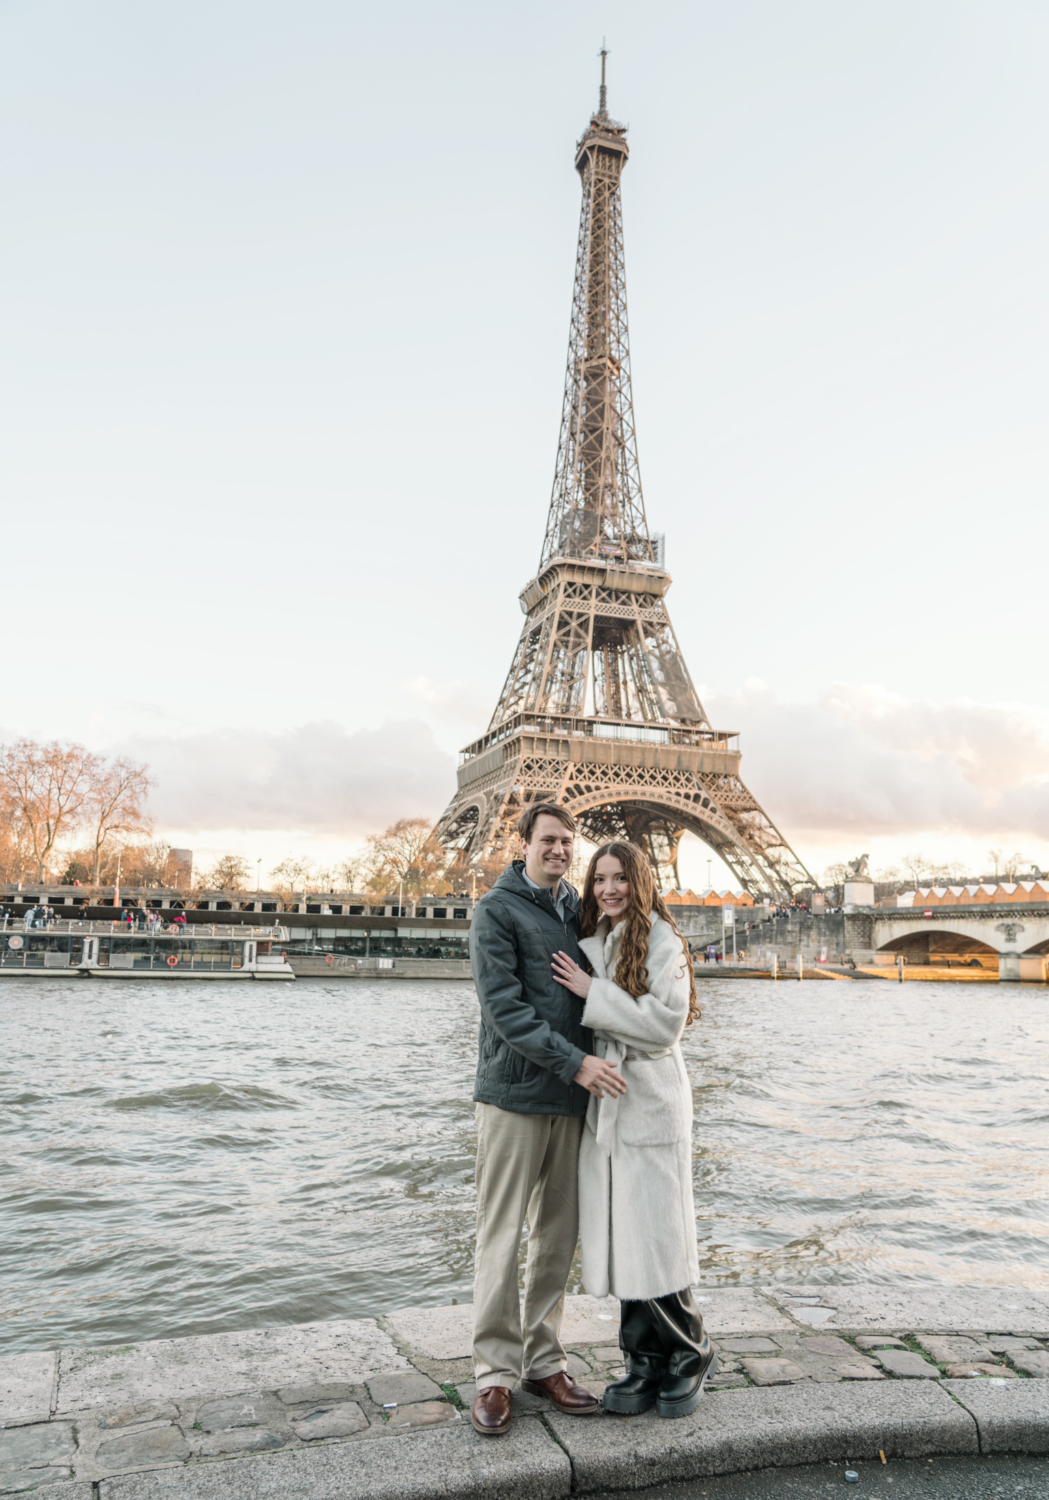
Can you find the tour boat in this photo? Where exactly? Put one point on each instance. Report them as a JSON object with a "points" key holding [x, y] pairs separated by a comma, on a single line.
{"points": [[112, 950]]}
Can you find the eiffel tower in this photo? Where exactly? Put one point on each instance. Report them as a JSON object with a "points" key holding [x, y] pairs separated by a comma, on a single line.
{"points": [[598, 711]]}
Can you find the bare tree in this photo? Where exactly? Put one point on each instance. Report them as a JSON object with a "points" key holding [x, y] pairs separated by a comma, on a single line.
{"points": [[407, 854], [14, 848], [146, 864], [917, 867], [228, 873], [49, 786], [354, 872], [995, 856], [115, 804]]}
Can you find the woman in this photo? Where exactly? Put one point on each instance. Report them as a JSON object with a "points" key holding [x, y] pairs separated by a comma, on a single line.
{"points": [[636, 1215]]}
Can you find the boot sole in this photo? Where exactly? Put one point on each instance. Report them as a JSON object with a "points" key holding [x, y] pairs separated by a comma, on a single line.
{"points": [[627, 1406], [684, 1408]]}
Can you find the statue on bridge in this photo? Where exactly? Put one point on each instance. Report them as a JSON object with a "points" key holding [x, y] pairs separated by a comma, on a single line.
{"points": [[858, 868]]}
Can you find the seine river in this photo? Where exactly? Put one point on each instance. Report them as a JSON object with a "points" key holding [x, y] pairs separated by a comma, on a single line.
{"points": [[188, 1158]]}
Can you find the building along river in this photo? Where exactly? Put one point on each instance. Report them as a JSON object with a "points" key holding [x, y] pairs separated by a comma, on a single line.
{"points": [[186, 1159]]}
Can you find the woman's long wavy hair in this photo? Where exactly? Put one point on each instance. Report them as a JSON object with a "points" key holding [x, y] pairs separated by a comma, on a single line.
{"points": [[644, 898]]}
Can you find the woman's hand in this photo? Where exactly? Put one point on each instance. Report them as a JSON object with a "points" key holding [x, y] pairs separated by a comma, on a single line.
{"points": [[568, 973]]}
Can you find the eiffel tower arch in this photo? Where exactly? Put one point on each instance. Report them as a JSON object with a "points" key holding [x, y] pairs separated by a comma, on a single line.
{"points": [[598, 711]]}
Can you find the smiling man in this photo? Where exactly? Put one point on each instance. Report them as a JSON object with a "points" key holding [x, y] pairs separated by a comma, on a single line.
{"points": [[535, 1069]]}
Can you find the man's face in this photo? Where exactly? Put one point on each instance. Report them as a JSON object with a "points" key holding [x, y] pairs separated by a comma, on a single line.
{"points": [[549, 851]]}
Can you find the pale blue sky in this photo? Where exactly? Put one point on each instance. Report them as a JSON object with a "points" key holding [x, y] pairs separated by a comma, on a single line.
{"points": [[285, 295]]}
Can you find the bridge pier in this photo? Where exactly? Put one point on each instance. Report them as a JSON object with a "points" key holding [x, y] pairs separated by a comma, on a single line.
{"points": [[1009, 966]]}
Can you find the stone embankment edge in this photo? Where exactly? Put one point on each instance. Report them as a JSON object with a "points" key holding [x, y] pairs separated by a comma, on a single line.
{"points": [[550, 1455], [553, 1456]]}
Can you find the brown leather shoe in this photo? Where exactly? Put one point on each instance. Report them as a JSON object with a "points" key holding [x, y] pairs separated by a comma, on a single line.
{"points": [[566, 1395], [491, 1411]]}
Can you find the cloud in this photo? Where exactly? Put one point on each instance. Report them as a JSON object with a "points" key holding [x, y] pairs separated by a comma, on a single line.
{"points": [[860, 762], [866, 762], [455, 701], [317, 778]]}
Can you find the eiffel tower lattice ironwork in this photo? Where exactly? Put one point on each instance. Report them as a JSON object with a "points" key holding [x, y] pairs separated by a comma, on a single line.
{"points": [[598, 711]]}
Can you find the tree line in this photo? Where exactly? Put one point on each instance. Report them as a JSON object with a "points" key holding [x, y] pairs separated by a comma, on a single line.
{"points": [[69, 815]]}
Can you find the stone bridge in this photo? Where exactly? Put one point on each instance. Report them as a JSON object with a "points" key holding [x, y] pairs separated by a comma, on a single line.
{"points": [[1009, 930]]}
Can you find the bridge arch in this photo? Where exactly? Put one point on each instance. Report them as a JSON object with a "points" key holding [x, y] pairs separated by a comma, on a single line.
{"points": [[943, 946]]}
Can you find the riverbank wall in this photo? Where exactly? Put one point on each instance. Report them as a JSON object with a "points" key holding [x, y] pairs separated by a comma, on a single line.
{"points": [[377, 1408]]}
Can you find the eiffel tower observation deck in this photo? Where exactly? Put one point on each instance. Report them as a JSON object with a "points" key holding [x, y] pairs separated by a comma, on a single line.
{"points": [[598, 711]]}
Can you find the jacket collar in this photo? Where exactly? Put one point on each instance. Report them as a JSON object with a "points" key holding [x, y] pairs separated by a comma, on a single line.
{"points": [[513, 882]]}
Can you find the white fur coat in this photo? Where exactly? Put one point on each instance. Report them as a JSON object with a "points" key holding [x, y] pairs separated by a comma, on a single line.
{"points": [[637, 1220]]}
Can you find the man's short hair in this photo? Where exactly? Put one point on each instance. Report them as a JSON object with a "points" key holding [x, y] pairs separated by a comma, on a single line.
{"points": [[535, 810]]}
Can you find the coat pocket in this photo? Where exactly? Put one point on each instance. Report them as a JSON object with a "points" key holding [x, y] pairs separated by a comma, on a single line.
{"points": [[657, 1107]]}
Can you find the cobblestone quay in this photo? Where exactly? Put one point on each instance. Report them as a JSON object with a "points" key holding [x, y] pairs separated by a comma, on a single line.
{"points": [[374, 1407]]}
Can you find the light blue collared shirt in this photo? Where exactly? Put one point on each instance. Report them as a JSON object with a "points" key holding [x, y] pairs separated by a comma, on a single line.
{"points": [[559, 900]]}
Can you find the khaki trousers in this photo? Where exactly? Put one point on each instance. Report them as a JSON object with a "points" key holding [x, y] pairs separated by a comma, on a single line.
{"points": [[526, 1168]]}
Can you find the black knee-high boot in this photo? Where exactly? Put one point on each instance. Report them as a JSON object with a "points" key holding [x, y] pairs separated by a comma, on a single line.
{"points": [[646, 1363], [686, 1346]]}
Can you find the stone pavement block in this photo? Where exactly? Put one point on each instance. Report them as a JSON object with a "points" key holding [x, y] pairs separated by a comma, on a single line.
{"points": [[146, 1411], [59, 1488], [338, 1421], [608, 1354], [946, 1350], [748, 1346], [250, 1410], [238, 1440], [1031, 1362], [739, 1309], [823, 1343], [878, 1341], [972, 1370], [947, 1309], [773, 1371], [452, 1462], [140, 1448], [401, 1388], [1006, 1343], [27, 1383], [1012, 1418], [302, 1395], [42, 1444], [422, 1414], [348, 1350], [590, 1320], [756, 1429], [906, 1365], [436, 1332]]}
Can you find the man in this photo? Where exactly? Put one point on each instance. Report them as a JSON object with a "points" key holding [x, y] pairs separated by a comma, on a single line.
{"points": [[535, 1068]]}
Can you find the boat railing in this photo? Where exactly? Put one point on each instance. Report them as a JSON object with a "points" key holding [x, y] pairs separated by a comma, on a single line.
{"points": [[72, 928]]}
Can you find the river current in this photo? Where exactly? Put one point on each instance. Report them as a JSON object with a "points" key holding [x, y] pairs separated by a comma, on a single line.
{"points": [[189, 1158]]}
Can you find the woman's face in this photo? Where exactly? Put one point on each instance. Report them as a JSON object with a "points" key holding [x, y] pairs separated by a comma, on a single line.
{"points": [[611, 888]]}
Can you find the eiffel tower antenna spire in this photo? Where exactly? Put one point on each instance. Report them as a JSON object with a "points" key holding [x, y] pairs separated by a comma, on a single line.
{"points": [[602, 98], [598, 710]]}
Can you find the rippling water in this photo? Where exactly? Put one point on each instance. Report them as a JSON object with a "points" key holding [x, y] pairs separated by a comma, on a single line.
{"points": [[187, 1158]]}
